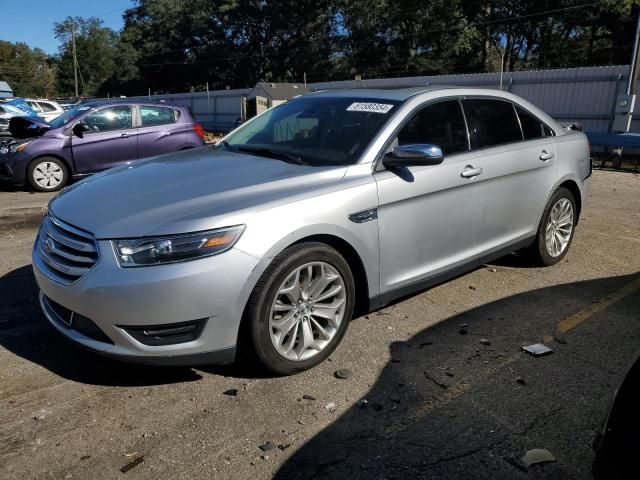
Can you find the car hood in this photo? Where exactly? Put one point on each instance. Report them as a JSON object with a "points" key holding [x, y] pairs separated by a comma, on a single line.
{"points": [[28, 127], [184, 192]]}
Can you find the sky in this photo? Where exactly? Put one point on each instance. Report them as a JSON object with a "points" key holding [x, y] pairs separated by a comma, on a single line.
{"points": [[34, 25]]}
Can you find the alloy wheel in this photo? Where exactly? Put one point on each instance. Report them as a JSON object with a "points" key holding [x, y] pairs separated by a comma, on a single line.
{"points": [[559, 227], [307, 311]]}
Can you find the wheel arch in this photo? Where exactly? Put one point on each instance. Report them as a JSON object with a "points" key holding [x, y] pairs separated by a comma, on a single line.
{"points": [[356, 264], [572, 186]]}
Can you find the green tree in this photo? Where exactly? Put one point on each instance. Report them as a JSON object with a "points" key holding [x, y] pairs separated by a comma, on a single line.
{"points": [[30, 72]]}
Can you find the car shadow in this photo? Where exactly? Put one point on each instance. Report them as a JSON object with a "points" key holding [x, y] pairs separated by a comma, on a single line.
{"points": [[25, 332], [450, 405]]}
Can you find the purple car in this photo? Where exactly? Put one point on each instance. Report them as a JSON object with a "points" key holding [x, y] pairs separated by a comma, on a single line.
{"points": [[93, 137]]}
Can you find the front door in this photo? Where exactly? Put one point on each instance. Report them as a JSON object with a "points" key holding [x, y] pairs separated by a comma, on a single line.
{"points": [[109, 140], [431, 217]]}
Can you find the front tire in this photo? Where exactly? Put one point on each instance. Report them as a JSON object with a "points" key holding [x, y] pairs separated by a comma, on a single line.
{"points": [[47, 174], [300, 308], [556, 229]]}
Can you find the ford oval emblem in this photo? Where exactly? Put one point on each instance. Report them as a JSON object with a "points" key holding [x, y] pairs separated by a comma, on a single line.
{"points": [[49, 245]]}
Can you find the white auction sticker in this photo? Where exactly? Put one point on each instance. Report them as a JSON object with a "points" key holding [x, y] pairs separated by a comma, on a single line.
{"points": [[369, 107]]}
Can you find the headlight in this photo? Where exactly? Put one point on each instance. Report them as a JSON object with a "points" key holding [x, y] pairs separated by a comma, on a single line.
{"points": [[175, 248], [13, 147]]}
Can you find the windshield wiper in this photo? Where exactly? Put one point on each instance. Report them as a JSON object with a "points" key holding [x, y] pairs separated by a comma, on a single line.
{"points": [[227, 145], [271, 153]]}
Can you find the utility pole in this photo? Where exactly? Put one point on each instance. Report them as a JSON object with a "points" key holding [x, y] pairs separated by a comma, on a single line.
{"points": [[633, 68], [75, 58]]}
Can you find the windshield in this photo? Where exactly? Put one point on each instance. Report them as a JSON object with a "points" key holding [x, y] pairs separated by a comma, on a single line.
{"points": [[68, 116], [316, 130]]}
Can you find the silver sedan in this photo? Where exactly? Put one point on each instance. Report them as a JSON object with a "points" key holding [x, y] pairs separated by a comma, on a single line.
{"points": [[330, 205]]}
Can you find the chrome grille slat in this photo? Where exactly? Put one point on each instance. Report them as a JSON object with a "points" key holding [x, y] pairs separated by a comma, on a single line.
{"points": [[67, 251]]}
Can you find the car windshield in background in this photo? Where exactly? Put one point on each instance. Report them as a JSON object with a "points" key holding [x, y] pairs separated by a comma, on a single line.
{"points": [[68, 116], [316, 131]]}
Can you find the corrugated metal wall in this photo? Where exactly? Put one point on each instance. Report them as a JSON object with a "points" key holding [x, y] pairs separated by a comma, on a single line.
{"points": [[585, 95], [216, 110]]}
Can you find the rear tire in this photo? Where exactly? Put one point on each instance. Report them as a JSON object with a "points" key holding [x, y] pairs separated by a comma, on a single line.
{"points": [[47, 174], [300, 308], [556, 229]]}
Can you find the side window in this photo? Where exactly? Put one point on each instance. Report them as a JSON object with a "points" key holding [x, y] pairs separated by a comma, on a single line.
{"points": [[47, 107], [111, 118], [151, 115], [532, 126], [441, 124], [493, 122], [35, 106]]}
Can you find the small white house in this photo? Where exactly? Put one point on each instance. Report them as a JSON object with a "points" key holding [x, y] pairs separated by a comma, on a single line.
{"points": [[5, 90]]}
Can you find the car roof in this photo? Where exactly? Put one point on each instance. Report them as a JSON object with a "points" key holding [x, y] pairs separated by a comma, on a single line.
{"points": [[398, 94], [125, 101]]}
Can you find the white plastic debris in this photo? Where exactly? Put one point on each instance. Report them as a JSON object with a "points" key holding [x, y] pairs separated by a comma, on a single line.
{"points": [[537, 455], [537, 349]]}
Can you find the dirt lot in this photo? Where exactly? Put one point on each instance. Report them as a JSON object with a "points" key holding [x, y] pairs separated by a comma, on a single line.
{"points": [[440, 403]]}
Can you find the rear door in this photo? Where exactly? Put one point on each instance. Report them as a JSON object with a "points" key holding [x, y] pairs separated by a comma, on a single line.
{"points": [[109, 141], [521, 164], [160, 131]]}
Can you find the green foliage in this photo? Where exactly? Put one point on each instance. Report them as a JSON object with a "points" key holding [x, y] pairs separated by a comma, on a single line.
{"points": [[31, 73]]}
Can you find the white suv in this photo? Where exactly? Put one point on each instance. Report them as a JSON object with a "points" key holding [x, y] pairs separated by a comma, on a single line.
{"points": [[46, 109]]}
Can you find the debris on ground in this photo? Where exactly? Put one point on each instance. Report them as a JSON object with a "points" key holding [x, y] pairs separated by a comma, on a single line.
{"points": [[492, 270], [471, 287], [537, 455], [265, 447], [132, 463], [264, 457], [232, 392], [284, 446], [308, 397], [425, 344], [437, 382], [343, 374], [330, 407], [484, 341], [362, 403], [520, 380], [537, 349]]}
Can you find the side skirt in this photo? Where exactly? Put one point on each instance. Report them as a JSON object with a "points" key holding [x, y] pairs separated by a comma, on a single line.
{"points": [[386, 298]]}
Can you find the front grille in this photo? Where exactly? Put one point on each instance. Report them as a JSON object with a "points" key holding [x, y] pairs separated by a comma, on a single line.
{"points": [[67, 251]]}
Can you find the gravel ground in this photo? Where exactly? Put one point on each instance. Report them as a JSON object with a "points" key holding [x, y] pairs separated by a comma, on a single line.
{"points": [[439, 403]]}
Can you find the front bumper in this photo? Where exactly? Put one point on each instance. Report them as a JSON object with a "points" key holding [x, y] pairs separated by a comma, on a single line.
{"points": [[13, 168], [214, 289]]}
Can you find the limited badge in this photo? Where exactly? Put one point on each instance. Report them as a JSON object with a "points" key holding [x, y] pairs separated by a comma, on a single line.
{"points": [[369, 107]]}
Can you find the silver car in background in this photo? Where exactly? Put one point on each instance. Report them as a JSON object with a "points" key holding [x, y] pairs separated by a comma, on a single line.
{"points": [[333, 203]]}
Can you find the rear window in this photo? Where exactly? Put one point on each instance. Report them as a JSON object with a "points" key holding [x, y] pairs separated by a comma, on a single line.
{"points": [[494, 122], [47, 107], [151, 115]]}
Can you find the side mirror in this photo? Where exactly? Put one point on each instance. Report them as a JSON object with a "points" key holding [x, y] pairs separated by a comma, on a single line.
{"points": [[79, 129], [413, 155]]}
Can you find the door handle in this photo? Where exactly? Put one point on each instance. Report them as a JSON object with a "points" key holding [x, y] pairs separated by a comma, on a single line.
{"points": [[470, 171], [124, 135], [544, 155]]}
